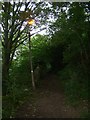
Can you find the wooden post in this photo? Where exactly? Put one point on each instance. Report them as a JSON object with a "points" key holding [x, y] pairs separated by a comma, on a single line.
{"points": [[30, 56]]}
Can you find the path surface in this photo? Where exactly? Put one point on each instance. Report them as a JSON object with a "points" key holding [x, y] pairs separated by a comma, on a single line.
{"points": [[49, 102]]}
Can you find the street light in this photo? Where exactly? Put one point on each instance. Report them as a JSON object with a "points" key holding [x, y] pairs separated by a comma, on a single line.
{"points": [[30, 22]]}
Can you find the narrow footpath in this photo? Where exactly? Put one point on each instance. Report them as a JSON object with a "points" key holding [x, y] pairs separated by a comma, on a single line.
{"points": [[49, 101]]}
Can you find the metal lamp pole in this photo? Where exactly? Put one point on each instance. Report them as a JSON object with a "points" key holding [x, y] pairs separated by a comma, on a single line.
{"points": [[30, 22], [30, 56]]}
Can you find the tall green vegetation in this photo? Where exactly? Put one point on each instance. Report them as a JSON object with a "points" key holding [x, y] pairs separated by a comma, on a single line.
{"points": [[73, 31]]}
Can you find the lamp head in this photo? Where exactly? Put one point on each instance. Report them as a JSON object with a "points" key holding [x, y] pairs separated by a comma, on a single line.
{"points": [[31, 21]]}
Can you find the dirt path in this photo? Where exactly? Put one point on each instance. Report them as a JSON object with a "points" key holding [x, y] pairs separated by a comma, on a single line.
{"points": [[49, 102]]}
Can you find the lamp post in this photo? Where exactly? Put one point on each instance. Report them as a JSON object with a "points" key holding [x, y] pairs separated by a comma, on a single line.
{"points": [[30, 22]]}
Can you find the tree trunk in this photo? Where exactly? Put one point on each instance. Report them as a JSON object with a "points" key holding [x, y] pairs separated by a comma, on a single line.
{"points": [[5, 71]]}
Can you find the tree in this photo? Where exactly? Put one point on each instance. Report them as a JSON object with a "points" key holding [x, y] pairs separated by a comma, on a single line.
{"points": [[13, 19], [12, 34]]}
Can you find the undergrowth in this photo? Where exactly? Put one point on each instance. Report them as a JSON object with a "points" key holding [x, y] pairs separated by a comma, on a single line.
{"points": [[75, 83]]}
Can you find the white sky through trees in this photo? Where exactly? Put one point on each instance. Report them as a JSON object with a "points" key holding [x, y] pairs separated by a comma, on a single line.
{"points": [[44, 0]]}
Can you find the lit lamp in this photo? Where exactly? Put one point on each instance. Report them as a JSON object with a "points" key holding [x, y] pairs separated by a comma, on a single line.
{"points": [[30, 22]]}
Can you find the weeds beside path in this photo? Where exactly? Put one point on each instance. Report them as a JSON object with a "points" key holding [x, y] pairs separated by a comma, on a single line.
{"points": [[49, 101]]}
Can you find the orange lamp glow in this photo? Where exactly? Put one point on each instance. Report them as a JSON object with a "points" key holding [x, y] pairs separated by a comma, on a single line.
{"points": [[31, 21]]}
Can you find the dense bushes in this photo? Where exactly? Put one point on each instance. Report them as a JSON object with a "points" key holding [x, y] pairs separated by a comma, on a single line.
{"points": [[75, 83]]}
